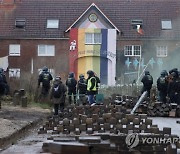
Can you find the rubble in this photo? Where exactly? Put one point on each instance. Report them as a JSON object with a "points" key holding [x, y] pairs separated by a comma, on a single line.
{"points": [[103, 128], [149, 107]]}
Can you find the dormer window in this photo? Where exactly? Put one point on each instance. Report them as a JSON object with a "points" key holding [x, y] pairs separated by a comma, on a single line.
{"points": [[52, 23], [20, 23], [166, 24], [136, 23]]}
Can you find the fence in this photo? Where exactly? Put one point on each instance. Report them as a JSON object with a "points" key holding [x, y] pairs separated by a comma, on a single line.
{"points": [[131, 90]]}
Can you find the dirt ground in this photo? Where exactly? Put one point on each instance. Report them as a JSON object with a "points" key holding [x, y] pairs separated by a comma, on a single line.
{"points": [[15, 118]]}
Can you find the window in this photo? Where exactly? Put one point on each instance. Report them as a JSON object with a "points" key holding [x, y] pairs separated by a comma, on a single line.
{"points": [[93, 38], [14, 72], [161, 51], [14, 50], [166, 24], [132, 50], [20, 23], [136, 22], [52, 23], [46, 50]]}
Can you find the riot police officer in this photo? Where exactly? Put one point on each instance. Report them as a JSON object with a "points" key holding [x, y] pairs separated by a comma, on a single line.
{"points": [[162, 85], [45, 77], [71, 84], [82, 88], [147, 81]]}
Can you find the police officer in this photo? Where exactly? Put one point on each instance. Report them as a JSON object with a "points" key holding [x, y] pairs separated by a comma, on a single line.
{"points": [[177, 91], [162, 85], [91, 87], [2, 85], [71, 84], [82, 88], [172, 84], [45, 77], [57, 95], [4, 90], [147, 81], [175, 71]]}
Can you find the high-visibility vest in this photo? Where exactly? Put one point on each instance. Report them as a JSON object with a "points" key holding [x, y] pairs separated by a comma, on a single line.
{"points": [[90, 83]]}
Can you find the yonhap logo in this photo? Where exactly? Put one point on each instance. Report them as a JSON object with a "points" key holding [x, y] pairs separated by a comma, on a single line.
{"points": [[132, 140]]}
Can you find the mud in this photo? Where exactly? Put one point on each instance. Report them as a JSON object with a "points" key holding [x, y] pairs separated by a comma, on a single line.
{"points": [[16, 123]]}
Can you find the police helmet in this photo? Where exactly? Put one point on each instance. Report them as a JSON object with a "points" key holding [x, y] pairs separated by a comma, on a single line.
{"points": [[90, 72], [173, 74], [1, 70], [163, 73], [45, 68], [81, 76], [173, 70], [147, 73], [71, 74]]}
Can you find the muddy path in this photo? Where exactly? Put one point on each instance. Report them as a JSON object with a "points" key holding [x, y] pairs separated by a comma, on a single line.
{"points": [[17, 122]]}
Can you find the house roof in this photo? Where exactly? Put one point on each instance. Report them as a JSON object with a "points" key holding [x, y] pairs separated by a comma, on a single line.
{"points": [[119, 12], [87, 11]]}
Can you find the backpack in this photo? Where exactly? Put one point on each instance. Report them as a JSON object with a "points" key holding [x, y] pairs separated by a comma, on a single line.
{"points": [[162, 80], [69, 81], [162, 84], [45, 79], [149, 79], [57, 91]]}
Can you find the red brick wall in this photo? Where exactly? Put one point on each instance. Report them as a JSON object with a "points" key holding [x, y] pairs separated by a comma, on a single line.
{"points": [[29, 49]]}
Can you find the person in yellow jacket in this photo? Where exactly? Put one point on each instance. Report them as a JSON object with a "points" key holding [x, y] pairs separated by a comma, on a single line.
{"points": [[91, 87]]}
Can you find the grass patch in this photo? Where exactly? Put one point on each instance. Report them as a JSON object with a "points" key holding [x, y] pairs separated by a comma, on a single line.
{"points": [[41, 105]]}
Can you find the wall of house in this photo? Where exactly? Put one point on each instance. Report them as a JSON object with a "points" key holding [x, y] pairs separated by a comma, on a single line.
{"points": [[149, 56], [29, 51], [60, 62]]}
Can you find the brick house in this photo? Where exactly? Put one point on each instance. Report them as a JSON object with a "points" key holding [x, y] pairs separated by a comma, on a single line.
{"points": [[118, 39]]}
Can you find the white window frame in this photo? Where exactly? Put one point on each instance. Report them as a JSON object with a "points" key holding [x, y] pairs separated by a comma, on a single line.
{"points": [[161, 51], [166, 24], [46, 50], [20, 23], [52, 23], [14, 50], [92, 41], [129, 50], [14, 72]]}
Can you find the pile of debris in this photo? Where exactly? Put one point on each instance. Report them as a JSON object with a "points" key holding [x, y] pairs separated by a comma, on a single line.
{"points": [[149, 107], [100, 128]]}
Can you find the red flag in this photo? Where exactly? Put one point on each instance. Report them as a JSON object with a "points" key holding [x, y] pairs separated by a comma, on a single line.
{"points": [[140, 30]]}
